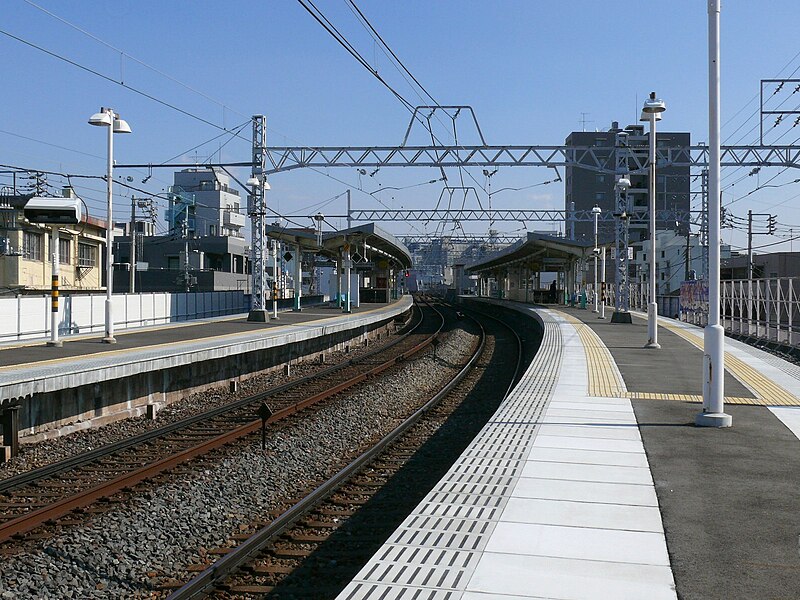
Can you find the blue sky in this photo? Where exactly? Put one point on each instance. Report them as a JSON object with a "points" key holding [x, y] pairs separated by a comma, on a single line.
{"points": [[529, 70]]}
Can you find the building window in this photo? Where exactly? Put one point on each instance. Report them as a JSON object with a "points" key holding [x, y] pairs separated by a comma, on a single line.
{"points": [[87, 255], [601, 179], [599, 196], [32, 245], [63, 251]]}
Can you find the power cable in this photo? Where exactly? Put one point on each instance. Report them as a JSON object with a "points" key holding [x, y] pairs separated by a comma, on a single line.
{"points": [[112, 80]]}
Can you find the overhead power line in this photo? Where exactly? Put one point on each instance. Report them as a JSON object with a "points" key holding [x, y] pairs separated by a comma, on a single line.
{"points": [[112, 80]]}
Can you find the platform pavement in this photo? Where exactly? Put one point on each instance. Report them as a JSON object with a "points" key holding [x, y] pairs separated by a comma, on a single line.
{"points": [[609, 489], [32, 367]]}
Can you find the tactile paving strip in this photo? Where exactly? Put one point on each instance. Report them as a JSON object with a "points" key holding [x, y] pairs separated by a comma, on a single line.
{"points": [[766, 391], [432, 555]]}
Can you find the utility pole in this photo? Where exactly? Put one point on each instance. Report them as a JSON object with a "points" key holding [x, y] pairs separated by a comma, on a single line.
{"points": [[257, 209], [688, 255], [132, 286], [349, 220], [185, 229], [749, 246]]}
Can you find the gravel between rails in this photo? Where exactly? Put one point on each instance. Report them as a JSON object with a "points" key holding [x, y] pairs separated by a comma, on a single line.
{"points": [[156, 534], [45, 452]]}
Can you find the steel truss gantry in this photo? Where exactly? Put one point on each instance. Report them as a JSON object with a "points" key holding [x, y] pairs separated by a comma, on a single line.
{"points": [[518, 215], [288, 158], [598, 159]]}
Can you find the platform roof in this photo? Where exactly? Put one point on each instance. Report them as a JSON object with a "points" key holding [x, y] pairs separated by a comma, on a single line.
{"points": [[367, 238], [539, 252]]}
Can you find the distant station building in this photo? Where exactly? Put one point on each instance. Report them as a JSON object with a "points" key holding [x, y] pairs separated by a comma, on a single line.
{"points": [[588, 188]]}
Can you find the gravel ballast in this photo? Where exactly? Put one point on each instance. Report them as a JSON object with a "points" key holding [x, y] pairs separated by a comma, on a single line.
{"points": [[122, 553]]}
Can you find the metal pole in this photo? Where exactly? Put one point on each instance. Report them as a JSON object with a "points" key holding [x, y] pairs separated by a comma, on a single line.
{"points": [[603, 287], [298, 277], [713, 414], [109, 337], [346, 308], [349, 219], [132, 285], [274, 279], [594, 281], [54, 341], [652, 306]]}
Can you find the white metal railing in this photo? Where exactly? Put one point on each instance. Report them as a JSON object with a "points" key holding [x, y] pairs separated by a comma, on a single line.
{"points": [[763, 308], [28, 317]]}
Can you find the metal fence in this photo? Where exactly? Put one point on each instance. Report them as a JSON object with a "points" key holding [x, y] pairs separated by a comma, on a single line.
{"points": [[764, 308], [28, 317]]}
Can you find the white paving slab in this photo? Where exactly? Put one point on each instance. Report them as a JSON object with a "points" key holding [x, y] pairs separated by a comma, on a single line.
{"points": [[547, 577], [584, 472], [790, 416]]}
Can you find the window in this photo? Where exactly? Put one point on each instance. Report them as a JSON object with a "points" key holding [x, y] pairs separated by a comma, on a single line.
{"points": [[662, 254], [599, 196], [64, 251], [87, 255], [601, 179], [32, 245]]}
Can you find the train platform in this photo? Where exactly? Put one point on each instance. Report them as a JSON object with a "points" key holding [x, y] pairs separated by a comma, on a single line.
{"points": [[591, 480], [161, 360]]}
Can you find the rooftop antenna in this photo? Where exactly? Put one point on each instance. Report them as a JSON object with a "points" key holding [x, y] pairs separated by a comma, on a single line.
{"points": [[583, 121]]}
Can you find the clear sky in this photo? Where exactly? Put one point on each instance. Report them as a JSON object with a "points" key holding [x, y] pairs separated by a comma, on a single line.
{"points": [[532, 70]]}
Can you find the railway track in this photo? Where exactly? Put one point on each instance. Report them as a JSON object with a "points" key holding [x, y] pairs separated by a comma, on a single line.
{"points": [[50, 493], [344, 520]]}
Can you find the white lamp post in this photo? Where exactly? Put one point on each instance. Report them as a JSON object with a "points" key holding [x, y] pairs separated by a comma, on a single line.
{"points": [[108, 118], [596, 212], [652, 107], [713, 414]]}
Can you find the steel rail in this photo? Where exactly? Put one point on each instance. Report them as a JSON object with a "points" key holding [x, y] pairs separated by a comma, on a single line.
{"points": [[35, 518], [236, 558], [17, 481]]}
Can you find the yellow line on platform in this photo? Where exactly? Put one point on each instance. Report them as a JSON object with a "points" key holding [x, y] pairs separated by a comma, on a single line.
{"points": [[605, 380], [767, 391]]}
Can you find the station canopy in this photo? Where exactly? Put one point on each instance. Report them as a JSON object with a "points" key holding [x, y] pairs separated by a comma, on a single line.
{"points": [[538, 252], [368, 243]]}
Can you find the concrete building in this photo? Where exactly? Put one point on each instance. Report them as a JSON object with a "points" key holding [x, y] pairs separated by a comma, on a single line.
{"points": [[213, 263], [586, 188], [203, 203], [26, 252], [775, 264], [671, 262]]}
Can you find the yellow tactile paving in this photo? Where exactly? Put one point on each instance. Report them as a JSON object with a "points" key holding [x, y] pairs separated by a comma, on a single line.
{"points": [[767, 391], [690, 398], [604, 378]]}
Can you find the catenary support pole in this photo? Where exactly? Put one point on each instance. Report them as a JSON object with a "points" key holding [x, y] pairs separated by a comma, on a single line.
{"points": [[713, 414]]}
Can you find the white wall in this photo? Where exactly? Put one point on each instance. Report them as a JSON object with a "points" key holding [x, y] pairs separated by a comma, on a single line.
{"points": [[28, 317]]}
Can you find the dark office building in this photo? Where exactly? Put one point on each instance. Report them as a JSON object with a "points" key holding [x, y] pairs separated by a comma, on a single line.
{"points": [[587, 188]]}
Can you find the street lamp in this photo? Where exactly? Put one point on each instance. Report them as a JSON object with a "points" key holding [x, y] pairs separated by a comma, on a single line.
{"points": [[108, 118], [651, 110], [596, 212]]}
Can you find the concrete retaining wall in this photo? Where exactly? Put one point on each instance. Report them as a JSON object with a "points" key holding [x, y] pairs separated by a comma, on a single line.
{"points": [[49, 414]]}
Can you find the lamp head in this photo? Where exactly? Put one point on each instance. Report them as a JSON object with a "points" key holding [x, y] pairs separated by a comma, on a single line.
{"points": [[653, 104], [121, 126], [623, 183], [596, 210], [253, 182], [101, 118]]}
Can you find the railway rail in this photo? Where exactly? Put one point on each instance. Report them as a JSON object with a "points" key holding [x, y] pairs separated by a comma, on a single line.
{"points": [[47, 494], [273, 554]]}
